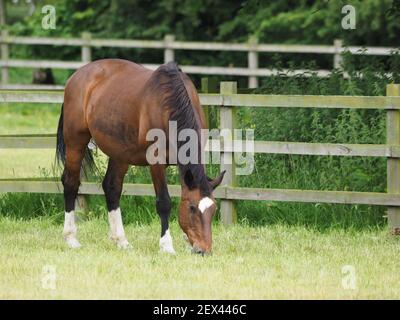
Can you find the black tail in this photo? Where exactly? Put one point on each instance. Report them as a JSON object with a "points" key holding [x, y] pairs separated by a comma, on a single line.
{"points": [[60, 149], [88, 164]]}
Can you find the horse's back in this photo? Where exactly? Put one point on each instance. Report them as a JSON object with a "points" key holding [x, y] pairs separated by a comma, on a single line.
{"points": [[106, 99], [99, 80], [100, 73]]}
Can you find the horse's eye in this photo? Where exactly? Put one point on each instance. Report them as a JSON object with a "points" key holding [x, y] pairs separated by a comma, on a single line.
{"points": [[192, 208]]}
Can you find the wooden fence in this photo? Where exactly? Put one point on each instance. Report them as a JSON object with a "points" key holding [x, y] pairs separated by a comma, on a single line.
{"points": [[228, 101], [169, 45]]}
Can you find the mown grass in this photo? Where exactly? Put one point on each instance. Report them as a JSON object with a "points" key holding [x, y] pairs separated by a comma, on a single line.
{"points": [[27, 119], [275, 262]]}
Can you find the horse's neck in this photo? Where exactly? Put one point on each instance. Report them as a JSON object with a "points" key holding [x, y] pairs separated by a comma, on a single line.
{"points": [[199, 174]]}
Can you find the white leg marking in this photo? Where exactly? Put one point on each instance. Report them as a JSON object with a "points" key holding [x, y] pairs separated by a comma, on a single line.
{"points": [[166, 243], [70, 230], [117, 229], [205, 203]]}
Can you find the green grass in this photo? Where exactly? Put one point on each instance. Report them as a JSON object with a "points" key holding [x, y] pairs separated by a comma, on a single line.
{"points": [[27, 119], [22, 163], [247, 263]]}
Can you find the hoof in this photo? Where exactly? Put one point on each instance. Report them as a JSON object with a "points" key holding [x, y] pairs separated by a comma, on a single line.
{"points": [[166, 243], [122, 243], [125, 245], [72, 242], [168, 250]]}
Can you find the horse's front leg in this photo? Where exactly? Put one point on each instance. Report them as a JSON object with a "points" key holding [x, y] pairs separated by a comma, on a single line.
{"points": [[112, 186], [163, 205]]}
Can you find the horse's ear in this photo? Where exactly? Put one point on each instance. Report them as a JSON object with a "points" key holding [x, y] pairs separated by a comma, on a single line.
{"points": [[189, 179], [217, 181]]}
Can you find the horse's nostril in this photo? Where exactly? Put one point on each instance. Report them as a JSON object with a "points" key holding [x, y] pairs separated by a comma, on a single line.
{"points": [[198, 251]]}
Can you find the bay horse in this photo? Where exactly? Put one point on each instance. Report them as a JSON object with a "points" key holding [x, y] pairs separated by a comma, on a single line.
{"points": [[116, 102]]}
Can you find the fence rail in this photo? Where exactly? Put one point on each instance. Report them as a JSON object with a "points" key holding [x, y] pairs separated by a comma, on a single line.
{"points": [[192, 45], [170, 45], [236, 100], [266, 147], [223, 192], [227, 101]]}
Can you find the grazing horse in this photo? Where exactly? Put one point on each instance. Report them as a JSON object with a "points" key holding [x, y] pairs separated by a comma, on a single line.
{"points": [[116, 102]]}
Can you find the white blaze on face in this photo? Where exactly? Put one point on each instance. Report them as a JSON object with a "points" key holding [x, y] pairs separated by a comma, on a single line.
{"points": [[166, 243], [205, 203], [117, 228], [70, 230]]}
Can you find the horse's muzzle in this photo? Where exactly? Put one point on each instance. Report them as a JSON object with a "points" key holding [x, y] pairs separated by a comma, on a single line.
{"points": [[196, 250]]}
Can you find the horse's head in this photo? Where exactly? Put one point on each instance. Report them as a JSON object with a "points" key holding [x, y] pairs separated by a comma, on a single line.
{"points": [[196, 212]]}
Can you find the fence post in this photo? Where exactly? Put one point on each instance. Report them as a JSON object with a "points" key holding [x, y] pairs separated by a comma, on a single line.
{"points": [[168, 51], [393, 164], [252, 61], [208, 85], [4, 56], [86, 48], [2, 13], [227, 121], [337, 57]]}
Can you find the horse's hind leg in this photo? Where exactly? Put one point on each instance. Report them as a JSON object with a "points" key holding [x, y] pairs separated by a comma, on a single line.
{"points": [[112, 186], [70, 180]]}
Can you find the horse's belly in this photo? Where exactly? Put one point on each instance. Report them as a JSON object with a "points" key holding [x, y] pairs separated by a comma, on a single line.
{"points": [[130, 154], [119, 140]]}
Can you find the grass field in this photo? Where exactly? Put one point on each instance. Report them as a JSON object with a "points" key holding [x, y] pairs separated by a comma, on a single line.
{"points": [[248, 263], [27, 119]]}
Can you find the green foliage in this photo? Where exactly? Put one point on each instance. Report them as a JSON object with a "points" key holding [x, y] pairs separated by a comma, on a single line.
{"points": [[325, 126], [308, 22]]}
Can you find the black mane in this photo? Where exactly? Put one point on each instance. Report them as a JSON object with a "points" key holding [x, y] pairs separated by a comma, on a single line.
{"points": [[172, 80]]}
